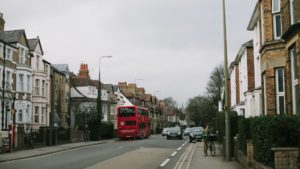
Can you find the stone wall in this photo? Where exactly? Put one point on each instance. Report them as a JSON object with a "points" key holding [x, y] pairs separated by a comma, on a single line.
{"points": [[286, 158]]}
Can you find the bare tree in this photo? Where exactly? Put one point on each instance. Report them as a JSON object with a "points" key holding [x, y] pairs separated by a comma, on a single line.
{"points": [[215, 85]]}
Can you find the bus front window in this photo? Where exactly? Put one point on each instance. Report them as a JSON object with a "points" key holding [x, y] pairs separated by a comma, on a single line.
{"points": [[126, 112]]}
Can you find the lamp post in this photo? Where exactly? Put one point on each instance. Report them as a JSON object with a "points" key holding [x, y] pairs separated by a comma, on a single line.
{"points": [[99, 104], [3, 87], [227, 120], [154, 107]]}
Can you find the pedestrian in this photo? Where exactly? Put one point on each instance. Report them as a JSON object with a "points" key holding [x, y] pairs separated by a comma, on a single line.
{"points": [[86, 133], [206, 139]]}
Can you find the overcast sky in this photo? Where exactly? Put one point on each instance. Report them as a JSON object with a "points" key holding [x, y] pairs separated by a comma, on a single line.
{"points": [[170, 46]]}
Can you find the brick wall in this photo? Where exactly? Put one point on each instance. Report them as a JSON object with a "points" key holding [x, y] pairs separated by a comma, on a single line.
{"points": [[250, 67]]}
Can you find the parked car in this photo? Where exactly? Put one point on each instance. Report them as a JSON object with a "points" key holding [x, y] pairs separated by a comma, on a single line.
{"points": [[187, 131], [174, 132], [164, 131], [196, 134]]}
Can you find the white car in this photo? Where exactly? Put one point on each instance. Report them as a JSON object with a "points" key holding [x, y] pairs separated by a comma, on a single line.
{"points": [[164, 131], [187, 131]]}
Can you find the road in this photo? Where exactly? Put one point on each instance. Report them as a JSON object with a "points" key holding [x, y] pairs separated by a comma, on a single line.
{"points": [[155, 152]]}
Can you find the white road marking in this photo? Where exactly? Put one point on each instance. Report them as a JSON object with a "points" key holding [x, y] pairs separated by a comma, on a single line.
{"points": [[173, 154], [179, 148], [165, 162]]}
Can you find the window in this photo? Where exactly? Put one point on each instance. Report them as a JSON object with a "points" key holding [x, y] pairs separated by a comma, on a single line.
{"points": [[8, 53], [36, 87], [275, 6], [277, 25], [27, 113], [21, 82], [280, 98], [28, 83], [276, 19], [47, 91], [37, 62], [20, 115], [7, 81], [43, 115], [22, 54], [295, 83], [292, 11], [43, 88], [36, 114], [46, 69]]}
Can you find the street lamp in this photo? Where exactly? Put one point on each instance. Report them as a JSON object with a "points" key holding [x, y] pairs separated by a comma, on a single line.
{"points": [[227, 120], [3, 88], [99, 105], [154, 106]]}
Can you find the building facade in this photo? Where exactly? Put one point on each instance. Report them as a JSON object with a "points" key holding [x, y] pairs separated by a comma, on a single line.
{"points": [[40, 85]]}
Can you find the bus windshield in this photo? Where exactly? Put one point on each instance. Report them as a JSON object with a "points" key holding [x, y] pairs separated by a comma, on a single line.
{"points": [[126, 112]]}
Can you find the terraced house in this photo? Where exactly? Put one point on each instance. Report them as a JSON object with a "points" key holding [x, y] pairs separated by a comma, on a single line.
{"points": [[276, 58], [41, 84]]}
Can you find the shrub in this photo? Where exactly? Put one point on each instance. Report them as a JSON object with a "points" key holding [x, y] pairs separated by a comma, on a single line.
{"points": [[220, 126], [273, 131], [244, 133], [104, 130]]}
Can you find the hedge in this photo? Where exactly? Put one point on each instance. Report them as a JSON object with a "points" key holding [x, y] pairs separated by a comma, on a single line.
{"points": [[220, 126], [244, 133], [103, 130], [273, 131]]}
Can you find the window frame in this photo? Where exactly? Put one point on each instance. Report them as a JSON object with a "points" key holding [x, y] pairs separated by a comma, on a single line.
{"points": [[292, 12], [273, 6], [36, 114], [276, 36], [294, 79], [43, 88], [280, 94], [21, 82], [37, 87]]}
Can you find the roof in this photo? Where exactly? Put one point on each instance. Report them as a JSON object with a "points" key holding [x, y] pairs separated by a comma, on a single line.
{"points": [[13, 36], [242, 50], [62, 68], [33, 43], [83, 82], [291, 30], [253, 19]]}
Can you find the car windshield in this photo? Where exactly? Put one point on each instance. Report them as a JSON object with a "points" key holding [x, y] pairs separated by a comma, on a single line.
{"points": [[187, 129], [197, 130], [174, 129]]}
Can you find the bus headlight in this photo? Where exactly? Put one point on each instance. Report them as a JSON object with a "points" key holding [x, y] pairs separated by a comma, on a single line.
{"points": [[122, 123]]}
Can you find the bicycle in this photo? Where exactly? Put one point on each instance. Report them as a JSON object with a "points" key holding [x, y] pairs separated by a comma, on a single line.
{"points": [[211, 144]]}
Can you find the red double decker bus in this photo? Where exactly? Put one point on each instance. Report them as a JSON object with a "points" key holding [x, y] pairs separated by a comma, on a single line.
{"points": [[133, 122]]}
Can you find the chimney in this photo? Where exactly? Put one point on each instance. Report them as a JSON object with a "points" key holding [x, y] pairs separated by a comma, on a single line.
{"points": [[84, 71], [2, 23]]}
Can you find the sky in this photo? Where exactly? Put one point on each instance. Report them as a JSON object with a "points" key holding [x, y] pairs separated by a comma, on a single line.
{"points": [[169, 47]]}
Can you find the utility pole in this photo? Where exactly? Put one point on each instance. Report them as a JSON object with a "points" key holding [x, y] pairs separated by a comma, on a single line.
{"points": [[227, 120], [3, 87]]}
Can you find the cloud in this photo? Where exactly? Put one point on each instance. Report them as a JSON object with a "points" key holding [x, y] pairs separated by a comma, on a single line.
{"points": [[172, 44]]}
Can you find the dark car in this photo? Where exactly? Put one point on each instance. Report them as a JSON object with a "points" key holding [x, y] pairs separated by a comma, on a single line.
{"points": [[196, 134], [174, 132]]}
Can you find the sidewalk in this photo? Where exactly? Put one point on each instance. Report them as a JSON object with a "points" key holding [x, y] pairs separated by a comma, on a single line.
{"points": [[23, 154], [199, 161]]}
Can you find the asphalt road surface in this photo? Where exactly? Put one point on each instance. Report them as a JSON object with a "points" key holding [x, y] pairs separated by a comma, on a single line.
{"points": [[155, 152]]}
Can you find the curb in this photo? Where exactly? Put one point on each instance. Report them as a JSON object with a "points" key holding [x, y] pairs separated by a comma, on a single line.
{"points": [[51, 152]]}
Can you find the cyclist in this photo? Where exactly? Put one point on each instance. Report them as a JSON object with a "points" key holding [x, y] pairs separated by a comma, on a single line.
{"points": [[206, 139]]}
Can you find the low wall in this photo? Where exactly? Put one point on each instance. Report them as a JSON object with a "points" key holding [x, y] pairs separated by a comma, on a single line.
{"points": [[286, 158]]}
